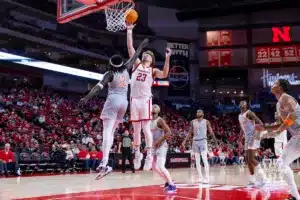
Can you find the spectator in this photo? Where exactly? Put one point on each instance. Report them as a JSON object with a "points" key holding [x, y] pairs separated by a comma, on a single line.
{"points": [[84, 156], [87, 139], [96, 158], [70, 161], [8, 162]]}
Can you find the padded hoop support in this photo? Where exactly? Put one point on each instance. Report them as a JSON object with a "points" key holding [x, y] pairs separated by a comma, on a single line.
{"points": [[85, 10]]}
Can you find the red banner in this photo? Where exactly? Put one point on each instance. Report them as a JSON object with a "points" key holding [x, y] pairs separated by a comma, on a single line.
{"points": [[225, 57], [213, 58], [212, 38], [262, 55], [225, 38], [219, 38], [289, 54], [275, 55]]}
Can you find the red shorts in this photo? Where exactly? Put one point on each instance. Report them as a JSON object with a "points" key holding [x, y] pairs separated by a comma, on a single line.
{"points": [[140, 109]]}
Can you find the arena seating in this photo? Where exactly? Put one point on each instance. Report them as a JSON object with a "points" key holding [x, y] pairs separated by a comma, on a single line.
{"points": [[40, 124]]}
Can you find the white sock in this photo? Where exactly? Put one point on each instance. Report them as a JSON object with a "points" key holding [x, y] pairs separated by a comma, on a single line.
{"points": [[252, 178], [289, 178], [161, 161], [260, 172], [198, 165], [107, 139], [206, 165], [137, 128], [148, 135]]}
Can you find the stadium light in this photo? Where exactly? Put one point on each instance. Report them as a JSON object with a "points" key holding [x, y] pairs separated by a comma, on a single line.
{"points": [[61, 68]]}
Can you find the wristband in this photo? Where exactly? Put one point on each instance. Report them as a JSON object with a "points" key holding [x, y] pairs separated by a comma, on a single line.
{"points": [[129, 31], [288, 122]]}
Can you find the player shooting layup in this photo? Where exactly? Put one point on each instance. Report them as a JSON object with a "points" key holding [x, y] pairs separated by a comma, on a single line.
{"points": [[288, 110], [117, 79], [161, 132], [198, 131], [247, 120], [143, 74]]}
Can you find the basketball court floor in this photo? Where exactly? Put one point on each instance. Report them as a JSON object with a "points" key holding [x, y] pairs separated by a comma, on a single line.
{"points": [[227, 183]]}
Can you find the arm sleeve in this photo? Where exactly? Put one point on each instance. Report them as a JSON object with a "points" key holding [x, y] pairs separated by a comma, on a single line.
{"points": [[130, 62], [107, 78]]}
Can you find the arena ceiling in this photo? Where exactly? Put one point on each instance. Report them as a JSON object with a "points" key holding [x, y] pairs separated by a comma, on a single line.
{"points": [[193, 9]]}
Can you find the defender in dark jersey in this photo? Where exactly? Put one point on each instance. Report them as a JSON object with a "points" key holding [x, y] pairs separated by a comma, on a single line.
{"points": [[117, 79]]}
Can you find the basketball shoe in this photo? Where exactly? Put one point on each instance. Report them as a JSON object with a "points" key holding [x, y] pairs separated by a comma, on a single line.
{"points": [[148, 161], [171, 189], [103, 171], [137, 160]]}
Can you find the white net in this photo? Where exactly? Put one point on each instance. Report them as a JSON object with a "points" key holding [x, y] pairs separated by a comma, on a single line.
{"points": [[116, 16]]}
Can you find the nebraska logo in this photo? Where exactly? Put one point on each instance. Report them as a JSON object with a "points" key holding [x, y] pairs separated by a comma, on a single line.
{"points": [[281, 34]]}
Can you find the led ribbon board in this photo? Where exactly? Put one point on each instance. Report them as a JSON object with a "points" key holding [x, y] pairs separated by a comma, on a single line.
{"points": [[49, 66], [60, 68]]}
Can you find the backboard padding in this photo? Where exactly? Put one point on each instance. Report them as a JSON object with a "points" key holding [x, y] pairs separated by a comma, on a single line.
{"points": [[68, 10]]}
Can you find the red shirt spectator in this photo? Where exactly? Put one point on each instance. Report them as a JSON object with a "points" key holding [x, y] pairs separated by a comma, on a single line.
{"points": [[83, 154], [7, 155], [95, 155]]}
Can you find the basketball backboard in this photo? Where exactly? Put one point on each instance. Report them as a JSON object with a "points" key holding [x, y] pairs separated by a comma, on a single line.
{"points": [[68, 10]]}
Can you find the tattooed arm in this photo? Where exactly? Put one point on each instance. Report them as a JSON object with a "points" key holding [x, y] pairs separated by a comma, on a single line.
{"points": [[288, 104], [253, 116], [108, 77], [129, 64]]}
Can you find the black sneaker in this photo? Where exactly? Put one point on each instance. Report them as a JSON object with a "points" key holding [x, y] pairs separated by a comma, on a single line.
{"points": [[166, 185]]}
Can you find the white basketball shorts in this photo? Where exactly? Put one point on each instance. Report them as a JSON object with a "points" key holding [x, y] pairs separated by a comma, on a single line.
{"points": [[140, 109], [254, 144], [199, 146], [278, 146]]}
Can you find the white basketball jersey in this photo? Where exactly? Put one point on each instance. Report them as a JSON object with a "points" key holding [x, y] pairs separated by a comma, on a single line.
{"points": [[141, 82], [199, 129], [247, 125]]}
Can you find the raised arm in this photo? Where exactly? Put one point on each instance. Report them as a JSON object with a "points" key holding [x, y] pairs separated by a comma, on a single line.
{"points": [[130, 47], [164, 74], [210, 130], [164, 126], [108, 77], [129, 64]]}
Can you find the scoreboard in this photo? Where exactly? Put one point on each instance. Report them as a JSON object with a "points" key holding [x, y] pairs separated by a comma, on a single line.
{"points": [[280, 54], [272, 45]]}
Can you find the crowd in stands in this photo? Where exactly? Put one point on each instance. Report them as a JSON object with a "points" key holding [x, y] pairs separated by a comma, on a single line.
{"points": [[43, 125]]}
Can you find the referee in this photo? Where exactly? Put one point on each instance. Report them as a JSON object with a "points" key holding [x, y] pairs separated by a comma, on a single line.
{"points": [[126, 151]]}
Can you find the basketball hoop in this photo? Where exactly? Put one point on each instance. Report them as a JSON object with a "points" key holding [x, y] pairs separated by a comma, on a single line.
{"points": [[116, 14]]}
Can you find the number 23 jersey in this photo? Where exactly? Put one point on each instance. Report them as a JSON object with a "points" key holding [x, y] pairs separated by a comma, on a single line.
{"points": [[141, 82]]}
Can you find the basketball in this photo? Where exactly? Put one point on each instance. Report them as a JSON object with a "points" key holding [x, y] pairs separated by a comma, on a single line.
{"points": [[132, 16], [87, 2]]}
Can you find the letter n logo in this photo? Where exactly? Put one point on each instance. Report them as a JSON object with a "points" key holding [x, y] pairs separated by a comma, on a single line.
{"points": [[281, 34]]}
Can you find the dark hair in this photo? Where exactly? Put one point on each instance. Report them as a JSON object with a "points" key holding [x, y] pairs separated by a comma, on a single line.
{"points": [[116, 60], [284, 84]]}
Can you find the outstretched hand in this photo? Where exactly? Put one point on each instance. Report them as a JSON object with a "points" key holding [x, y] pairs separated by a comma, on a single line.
{"points": [[168, 52], [130, 27]]}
